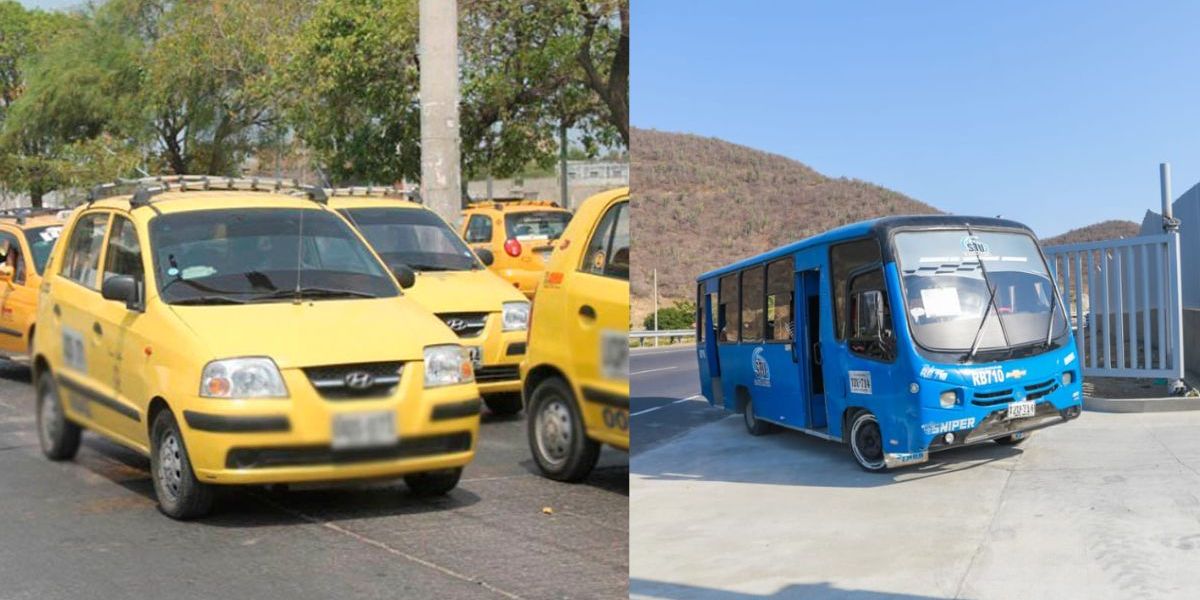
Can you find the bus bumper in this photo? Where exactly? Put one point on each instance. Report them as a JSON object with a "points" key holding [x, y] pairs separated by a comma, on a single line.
{"points": [[993, 426]]}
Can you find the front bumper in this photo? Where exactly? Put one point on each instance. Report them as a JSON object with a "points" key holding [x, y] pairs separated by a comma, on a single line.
{"points": [[501, 353], [991, 427], [289, 441]]}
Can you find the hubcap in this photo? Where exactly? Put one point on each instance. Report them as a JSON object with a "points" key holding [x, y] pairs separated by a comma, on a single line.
{"points": [[170, 466], [554, 431], [868, 443], [51, 419]]}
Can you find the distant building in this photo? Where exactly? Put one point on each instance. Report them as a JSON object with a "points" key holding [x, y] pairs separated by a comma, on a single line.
{"points": [[584, 178], [586, 172]]}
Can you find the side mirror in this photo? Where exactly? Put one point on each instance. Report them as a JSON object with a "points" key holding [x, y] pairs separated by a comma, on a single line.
{"points": [[122, 288], [405, 276], [485, 256]]}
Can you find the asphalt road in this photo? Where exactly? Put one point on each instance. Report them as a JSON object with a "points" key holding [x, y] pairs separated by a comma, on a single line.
{"points": [[90, 529], [664, 396]]}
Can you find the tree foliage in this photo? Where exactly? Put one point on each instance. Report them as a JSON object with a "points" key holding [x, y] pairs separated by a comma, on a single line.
{"points": [[681, 315]]}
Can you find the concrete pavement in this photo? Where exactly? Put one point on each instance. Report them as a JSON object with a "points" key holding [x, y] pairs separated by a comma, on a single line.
{"points": [[1103, 507]]}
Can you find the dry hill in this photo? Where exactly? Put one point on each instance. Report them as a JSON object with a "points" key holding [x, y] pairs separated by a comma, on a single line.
{"points": [[1104, 230]]}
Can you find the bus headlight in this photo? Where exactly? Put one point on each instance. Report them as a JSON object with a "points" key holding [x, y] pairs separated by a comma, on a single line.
{"points": [[948, 399], [242, 378], [1068, 377], [447, 365], [515, 316]]}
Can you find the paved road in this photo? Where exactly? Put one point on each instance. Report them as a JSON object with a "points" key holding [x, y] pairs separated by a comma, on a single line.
{"points": [[664, 396], [90, 529]]}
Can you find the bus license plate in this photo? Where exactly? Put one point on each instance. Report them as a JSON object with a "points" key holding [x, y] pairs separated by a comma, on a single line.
{"points": [[364, 429], [1017, 410]]}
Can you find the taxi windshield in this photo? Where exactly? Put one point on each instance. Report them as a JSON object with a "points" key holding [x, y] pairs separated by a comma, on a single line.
{"points": [[262, 255], [985, 291], [413, 237], [41, 241], [536, 224]]}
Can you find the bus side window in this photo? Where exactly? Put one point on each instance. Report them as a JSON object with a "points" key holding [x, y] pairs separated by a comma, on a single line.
{"points": [[730, 316], [781, 307], [700, 324], [845, 259], [752, 304], [871, 334]]}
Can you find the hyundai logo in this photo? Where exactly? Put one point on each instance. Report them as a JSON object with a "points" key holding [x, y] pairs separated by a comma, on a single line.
{"points": [[359, 380], [457, 325]]}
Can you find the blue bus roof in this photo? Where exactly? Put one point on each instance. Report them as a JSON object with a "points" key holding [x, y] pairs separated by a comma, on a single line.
{"points": [[863, 229]]}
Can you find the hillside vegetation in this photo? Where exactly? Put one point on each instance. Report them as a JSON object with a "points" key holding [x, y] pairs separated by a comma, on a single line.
{"points": [[1104, 230], [703, 202]]}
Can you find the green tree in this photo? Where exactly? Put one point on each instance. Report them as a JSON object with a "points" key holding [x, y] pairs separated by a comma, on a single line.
{"points": [[682, 315]]}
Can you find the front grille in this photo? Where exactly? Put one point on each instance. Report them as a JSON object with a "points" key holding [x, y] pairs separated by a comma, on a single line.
{"points": [[1041, 390], [465, 325], [992, 398], [318, 455], [497, 373], [332, 381]]}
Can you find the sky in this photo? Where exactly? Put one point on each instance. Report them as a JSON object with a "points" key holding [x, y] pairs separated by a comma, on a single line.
{"points": [[1052, 113], [52, 4]]}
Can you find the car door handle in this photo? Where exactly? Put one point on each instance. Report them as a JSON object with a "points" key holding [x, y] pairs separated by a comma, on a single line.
{"points": [[587, 312], [97, 328]]}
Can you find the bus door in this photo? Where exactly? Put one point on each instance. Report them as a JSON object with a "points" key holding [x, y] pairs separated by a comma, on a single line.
{"points": [[779, 383], [808, 344], [709, 360]]}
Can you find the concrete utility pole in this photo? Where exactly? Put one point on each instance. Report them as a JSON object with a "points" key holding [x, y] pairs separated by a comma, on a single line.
{"points": [[441, 178], [562, 163], [656, 305]]}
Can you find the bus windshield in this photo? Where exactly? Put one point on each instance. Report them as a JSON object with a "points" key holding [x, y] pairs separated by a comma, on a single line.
{"points": [[988, 291]]}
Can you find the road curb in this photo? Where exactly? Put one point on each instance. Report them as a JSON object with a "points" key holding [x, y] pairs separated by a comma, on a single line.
{"points": [[1140, 405]]}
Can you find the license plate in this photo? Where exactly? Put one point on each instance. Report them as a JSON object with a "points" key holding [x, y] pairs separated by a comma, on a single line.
{"points": [[364, 429], [474, 353], [1017, 410]]}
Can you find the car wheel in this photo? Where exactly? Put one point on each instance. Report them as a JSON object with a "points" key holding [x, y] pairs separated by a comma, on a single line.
{"points": [[433, 483], [1015, 439], [754, 425], [180, 495], [557, 437], [59, 437], [504, 404], [866, 442]]}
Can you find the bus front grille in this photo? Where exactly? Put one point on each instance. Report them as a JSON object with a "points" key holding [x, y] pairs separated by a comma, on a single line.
{"points": [[992, 398]]}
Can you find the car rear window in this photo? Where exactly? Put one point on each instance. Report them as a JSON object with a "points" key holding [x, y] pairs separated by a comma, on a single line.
{"points": [[536, 224]]}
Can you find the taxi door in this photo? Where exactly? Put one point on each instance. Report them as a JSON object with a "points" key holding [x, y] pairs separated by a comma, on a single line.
{"points": [[598, 311], [18, 301]]}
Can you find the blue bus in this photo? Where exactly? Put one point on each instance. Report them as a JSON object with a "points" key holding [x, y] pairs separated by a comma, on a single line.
{"points": [[898, 336]]}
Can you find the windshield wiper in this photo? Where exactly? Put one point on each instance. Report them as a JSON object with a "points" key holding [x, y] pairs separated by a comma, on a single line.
{"points": [[982, 323], [1053, 306], [312, 292], [209, 300]]}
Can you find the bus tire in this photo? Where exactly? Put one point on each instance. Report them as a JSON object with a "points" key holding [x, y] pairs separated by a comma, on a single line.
{"points": [[59, 437], [557, 437], [866, 442], [1009, 440], [754, 425]]}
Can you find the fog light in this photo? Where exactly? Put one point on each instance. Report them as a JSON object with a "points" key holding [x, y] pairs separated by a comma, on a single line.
{"points": [[949, 437], [1068, 377], [948, 399]]}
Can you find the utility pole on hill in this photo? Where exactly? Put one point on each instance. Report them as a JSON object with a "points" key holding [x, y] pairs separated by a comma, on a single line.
{"points": [[441, 178]]}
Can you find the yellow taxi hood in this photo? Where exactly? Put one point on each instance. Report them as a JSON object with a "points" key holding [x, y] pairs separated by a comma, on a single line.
{"points": [[463, 291], [317, 332]]}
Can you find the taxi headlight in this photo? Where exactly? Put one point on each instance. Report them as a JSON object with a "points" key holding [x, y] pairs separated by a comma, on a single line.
{"points": [[242, 378], [447, 365], [515, 316], [948, 399]]}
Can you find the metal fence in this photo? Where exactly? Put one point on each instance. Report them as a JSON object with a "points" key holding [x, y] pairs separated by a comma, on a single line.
{"points": [[1125, 303], [670, 335]]}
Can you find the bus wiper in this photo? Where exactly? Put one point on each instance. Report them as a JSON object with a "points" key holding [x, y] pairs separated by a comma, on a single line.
{"points": [[1053, 306], [312, 292], [982, 323], [197, 300]]}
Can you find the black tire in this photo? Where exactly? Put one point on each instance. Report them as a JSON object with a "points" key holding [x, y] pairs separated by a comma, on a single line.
{"points": [[557, 438], [59, 437], [433, 483], [180, 495], [1012, 440], [754, 425], [504, 404], [866, 442]]}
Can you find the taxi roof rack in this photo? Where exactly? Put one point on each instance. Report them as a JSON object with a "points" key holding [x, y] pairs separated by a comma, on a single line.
{"points": [[500, 201], [375, 191], [24, 212], [145, 188]]}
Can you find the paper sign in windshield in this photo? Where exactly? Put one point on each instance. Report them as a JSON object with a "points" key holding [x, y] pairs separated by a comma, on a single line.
{"points": [[941, 302]]}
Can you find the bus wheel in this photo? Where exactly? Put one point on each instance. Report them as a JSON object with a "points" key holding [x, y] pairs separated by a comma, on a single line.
{"points": [[557, 438], [866, 442], [1012, 440], [754, 425]]}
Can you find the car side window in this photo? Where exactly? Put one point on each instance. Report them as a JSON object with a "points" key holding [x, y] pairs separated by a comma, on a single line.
{"points": [[479, 229], [13, 259], [871, 334], [82, 259], [607, 252], [124, 253]]}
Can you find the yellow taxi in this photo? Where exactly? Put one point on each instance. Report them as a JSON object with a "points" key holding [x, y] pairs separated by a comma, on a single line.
{"points": [[486, 313], [26, 239], [575, 376], [519, 233], [238, 334]]}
